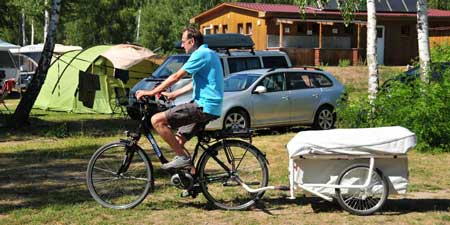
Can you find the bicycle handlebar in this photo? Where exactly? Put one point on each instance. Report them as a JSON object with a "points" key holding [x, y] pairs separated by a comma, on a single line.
{"points": [[153, 104]]}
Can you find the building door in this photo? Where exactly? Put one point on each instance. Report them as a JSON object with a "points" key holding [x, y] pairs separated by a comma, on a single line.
{"points": [[380, 44]]}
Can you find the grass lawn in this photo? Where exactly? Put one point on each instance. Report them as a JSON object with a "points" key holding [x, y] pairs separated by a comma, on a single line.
{"points": [[42, 179]]}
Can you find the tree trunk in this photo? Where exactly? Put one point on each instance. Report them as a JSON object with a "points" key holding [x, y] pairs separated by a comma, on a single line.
{"points": [[32, 32], [22, 112], [46, 20], [138, 27], [422, 37], [372, 62], [23, 28]]}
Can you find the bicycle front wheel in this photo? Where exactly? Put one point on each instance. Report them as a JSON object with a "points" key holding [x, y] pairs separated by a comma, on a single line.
{"points": [[239, 159], [118, 176]]}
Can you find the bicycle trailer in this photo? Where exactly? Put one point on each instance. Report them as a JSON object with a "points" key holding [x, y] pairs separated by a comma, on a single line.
{"points": [[358, 167]]}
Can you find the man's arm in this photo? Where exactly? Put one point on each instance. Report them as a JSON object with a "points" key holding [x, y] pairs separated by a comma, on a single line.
{"points": [[172, 79], [174, 94]]}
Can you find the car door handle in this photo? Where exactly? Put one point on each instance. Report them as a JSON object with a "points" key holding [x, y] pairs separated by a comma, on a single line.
{"points": [[315, 95], [285, 98]]}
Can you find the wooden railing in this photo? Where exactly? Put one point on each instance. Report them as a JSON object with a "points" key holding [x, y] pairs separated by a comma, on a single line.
{"points": [[324, 56]]}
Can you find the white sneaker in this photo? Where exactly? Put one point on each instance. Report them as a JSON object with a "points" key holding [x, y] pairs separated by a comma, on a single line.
{"points": [[178, 161]]}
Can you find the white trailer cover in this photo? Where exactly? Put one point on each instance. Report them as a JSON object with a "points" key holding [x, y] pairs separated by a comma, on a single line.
{"points": [[320, 156]]}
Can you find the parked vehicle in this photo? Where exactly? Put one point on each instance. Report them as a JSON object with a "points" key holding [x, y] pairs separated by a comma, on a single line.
{"points": [[278, 97], [232, 61], [437, 70], [27, 68], [8, 69]]}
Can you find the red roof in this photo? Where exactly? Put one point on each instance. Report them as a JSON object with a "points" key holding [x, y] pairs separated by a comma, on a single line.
{"points": [[295, 9], [267, 7], [438, 13]]}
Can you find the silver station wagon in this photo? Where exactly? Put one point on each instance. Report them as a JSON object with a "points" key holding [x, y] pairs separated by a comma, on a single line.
{"points": [[279, 97]]}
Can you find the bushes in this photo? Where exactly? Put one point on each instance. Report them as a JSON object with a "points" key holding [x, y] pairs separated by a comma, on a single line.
{"points": [[441, 53], [344, 62], [422, 108]]}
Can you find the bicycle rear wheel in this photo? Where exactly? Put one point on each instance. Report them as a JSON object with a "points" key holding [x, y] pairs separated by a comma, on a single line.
{"points": [[119, 177], [244, 161], [362, 201]]}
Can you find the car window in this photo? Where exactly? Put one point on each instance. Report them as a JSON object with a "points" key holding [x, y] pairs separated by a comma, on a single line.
{"points": [[295, 81], [239, 82], [223, 68], [243, 63], [320, 80], [6, 60], [170, 66], [25, 63], [273, 82], [274, 61]]}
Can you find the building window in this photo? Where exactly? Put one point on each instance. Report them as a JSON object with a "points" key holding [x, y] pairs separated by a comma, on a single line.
{"points": [[405, 30], [248, 28], [240, 28], [301, 28], [206, 30], [287, 30], [312, 28], [216, 29], [348, 29], [379, 32], [224, 29]]}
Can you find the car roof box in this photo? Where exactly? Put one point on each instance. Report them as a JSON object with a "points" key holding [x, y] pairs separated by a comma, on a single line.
{"points": [[226, 41]]}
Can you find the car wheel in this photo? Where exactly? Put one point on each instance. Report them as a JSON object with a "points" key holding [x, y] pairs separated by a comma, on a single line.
{"points": [[236, 120], [325, 118]]}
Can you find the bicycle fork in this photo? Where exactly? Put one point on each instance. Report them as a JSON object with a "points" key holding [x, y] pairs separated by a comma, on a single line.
{"points": [[126, 161]]}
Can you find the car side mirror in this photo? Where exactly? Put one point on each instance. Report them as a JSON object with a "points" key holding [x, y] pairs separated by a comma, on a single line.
{"points": [[260, 90]]}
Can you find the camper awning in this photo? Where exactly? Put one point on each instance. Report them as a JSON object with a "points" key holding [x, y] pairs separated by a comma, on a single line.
{"points": [[124, 56], [5, 45], [59, 48]]}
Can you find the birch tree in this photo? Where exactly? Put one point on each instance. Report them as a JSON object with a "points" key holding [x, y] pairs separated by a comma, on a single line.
{"points": [[23, 110], [423, 39], [46, 20], [372, 62]]}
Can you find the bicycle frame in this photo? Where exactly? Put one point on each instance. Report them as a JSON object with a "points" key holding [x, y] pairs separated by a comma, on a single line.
{"points": [[146, 131]]}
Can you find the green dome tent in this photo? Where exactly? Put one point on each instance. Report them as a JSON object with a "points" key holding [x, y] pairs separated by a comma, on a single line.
{"points": [[87, 81]]}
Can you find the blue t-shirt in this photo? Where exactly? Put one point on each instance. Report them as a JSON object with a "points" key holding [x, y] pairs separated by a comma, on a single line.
{"points": [[207, 74]]}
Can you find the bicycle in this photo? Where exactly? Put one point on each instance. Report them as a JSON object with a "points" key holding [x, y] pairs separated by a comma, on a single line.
{"points": [[120, 174]]}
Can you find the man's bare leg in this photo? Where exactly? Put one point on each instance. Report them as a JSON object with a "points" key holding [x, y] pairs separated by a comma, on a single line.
{"points": [[160, 124]]}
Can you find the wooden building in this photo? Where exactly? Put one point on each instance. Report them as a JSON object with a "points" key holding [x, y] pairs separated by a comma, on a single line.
{"points": [[439, 35], [320, 36]]}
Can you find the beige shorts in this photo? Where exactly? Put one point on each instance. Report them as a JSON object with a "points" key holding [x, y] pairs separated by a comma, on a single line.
{"points": [[189, 118]]}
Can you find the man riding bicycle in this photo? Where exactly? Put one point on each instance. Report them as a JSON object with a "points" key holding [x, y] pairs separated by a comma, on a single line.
{"points": [[207, 85]]}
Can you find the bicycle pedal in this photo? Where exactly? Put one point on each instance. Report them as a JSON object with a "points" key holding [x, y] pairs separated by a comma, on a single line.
{"points": [[185, 193], [194, 194]]}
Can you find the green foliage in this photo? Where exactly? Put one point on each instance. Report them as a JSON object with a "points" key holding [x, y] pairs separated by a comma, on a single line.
{"points": [[439, 4], [347, 7], [163, 21], [441, 53], [344, 62], [88, 23], [422, 108]]}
